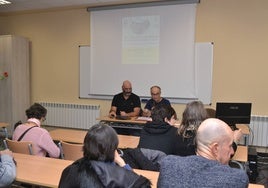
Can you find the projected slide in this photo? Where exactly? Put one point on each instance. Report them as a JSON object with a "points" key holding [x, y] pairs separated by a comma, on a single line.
{"points": [[146, 45], [140, 40]]}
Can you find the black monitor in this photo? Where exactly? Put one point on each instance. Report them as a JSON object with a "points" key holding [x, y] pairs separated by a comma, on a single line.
{"points": [[233, 113]]}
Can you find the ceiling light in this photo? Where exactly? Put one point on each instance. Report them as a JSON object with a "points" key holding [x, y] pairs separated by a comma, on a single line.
{"points": [[3, 2]]}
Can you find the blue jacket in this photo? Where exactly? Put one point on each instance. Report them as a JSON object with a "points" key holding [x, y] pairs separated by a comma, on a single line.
{"points": [[7, 170], [197, 171]]}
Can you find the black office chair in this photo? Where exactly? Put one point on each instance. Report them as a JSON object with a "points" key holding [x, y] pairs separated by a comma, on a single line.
{"points": [[236, 164]]}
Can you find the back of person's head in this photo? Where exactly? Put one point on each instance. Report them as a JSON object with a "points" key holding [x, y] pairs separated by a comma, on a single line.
{"points": [[36, 111], [160, 112], [100, 143], [210, 132], [192, 117]]}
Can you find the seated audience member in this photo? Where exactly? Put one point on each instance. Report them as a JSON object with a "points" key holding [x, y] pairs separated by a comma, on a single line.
{"points": [[209, 168], [125, 103], [192, 117], [155, 100], [160, 134], [101, 165], [141, 158], [7, 168], [43, 144]]}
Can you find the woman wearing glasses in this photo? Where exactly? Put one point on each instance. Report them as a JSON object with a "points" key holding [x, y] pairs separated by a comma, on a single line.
{"points": [[43, 145]]}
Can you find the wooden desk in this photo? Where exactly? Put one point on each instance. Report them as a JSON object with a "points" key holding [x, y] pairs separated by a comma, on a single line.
{"points": [[241, 154], [245, 130], [151, 175], [126, 141], [77, 136], [251, 185], [46, 172], [38, 170], [68, 135], [4, 127]]}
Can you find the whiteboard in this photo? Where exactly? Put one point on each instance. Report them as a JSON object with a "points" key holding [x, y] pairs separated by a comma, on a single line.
{"points": [[204, 70], [203, 75], [84, 67]]}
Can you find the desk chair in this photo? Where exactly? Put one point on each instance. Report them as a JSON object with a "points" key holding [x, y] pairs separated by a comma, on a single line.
{"points": [[236, 164], [24, 147], [71, 151]]}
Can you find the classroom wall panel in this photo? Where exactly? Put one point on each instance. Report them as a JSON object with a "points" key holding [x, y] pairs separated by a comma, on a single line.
{"points": [[237, 28]]}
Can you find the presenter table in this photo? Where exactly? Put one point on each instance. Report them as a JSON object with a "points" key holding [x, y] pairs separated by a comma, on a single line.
{"points": [[4, 128], [131, 126], [77, 136], [132, 120]]}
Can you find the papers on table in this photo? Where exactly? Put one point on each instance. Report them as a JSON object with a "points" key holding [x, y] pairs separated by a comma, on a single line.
{"points": [[142, 118]]}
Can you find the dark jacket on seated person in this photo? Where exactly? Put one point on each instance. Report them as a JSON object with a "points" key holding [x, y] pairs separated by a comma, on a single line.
{"points": [[185, 146], [84, 173], [160, 137], [141, 158]]}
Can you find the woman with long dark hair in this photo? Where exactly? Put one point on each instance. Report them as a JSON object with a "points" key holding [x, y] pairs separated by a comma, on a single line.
{"points": [[101, 165]]}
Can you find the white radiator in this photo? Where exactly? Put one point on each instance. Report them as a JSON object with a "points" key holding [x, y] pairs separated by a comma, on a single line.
{"points": [[71, 115], [259, 131]]}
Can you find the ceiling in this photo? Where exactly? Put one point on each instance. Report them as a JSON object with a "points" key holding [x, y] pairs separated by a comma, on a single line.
{"points": [[37, 5]]}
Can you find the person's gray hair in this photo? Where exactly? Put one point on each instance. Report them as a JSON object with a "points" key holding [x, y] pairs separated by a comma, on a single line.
{"points": [[155, 86]]}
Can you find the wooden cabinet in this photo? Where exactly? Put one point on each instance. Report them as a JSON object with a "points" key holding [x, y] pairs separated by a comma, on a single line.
{"points": [[14, 89]]}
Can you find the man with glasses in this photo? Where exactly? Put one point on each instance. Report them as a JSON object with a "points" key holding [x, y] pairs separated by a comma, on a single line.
{"points": [[155, 100], [125, 103]]}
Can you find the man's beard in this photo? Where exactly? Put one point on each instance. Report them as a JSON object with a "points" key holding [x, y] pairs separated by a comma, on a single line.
{"points": [[127, 93]]}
